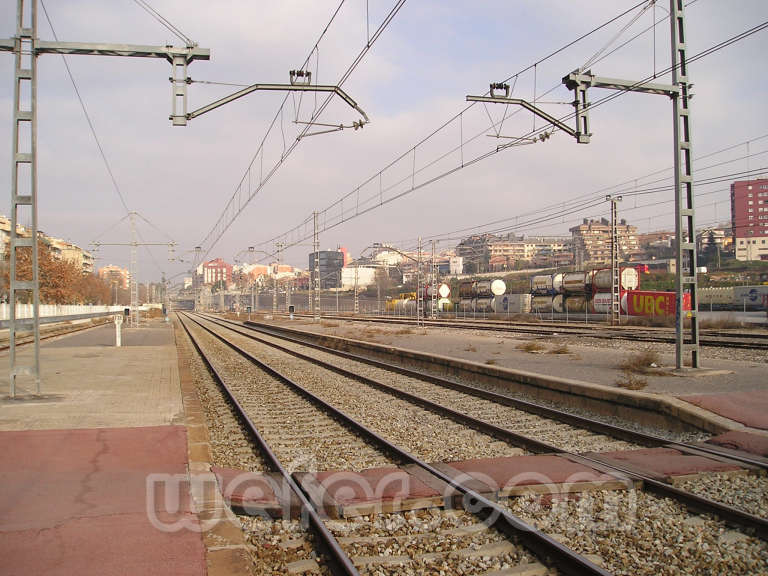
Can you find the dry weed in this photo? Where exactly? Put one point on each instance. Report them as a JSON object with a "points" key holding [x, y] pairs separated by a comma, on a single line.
{"points": [[560, 349], [641, 362], [531, 346], [631, 382]]}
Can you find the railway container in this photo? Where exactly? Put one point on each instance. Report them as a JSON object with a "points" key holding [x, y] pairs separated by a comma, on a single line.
{"points": [[484, 305], [466, 305], [646, 303], [542, 284], [498, 287], [466, 290], [541, 304], [734, 297], [442, 290], [576, 304], [601, 303], [512, 304], [483, 289], [601, 279], [558, 303], [574, 282], [557, 283], [755, 297], [720, 296]]}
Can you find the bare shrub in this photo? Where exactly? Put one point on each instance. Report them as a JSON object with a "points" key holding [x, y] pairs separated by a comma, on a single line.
{"points": [[641, 362], [631, 381], [560, 349], [531, 346]]}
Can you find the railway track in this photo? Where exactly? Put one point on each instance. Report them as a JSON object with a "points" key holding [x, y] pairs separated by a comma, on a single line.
{"points": [[743, 340], [563, 429], [53, 332], [654, 496], [464, 543]]}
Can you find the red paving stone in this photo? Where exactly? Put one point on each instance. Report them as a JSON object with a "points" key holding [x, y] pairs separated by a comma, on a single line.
{"points": [[665, 462], [541, 469], [374, 485], [749, 408], [75, 502], [744, 441], [256, 492], [344, 493]]}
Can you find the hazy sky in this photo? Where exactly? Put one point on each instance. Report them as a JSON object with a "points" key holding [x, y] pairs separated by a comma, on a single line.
{"points": [[413, 80]]}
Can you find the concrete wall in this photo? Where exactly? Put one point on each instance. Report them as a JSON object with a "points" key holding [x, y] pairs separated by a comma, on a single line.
{"points": [[25, 310]]}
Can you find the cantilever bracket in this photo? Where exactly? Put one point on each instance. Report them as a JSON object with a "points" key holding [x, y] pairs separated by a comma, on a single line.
{"points": [[579, 81], [582, 138], [296, 85]]}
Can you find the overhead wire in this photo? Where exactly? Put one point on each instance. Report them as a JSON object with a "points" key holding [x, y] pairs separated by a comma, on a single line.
{"points": [[342, 217], [165, 22], [578, 202], [260, 149], [87, 115], [448, 123], [99, 145]]}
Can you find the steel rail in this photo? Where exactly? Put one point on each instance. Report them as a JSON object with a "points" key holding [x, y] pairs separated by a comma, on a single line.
{"points": [[527, 406], [606, 333], [691, 501], [340, 563], [547, 549]]}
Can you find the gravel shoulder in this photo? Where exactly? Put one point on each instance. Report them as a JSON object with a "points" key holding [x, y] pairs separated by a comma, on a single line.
{"points": [[591, 360]]}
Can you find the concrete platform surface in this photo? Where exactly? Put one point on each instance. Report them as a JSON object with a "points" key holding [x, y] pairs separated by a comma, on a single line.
{"points": [[748, 407], [88, 383], [86, 502]]}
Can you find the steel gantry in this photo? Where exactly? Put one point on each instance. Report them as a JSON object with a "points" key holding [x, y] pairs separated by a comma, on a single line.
{"points": [[133, 271], [615, 268], [685, 213], [26, 47]]}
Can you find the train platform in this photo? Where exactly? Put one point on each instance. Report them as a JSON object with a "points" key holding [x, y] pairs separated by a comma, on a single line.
{"points": [[95, 471], [729, 393]]}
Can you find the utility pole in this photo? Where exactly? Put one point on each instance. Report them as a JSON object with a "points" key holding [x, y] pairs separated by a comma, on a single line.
{"points": [[615, 270], [26, 47], [357, 301], [433, 284], [419, 293], [316, 247], [134, 274], [279, 246], [133, 267], [195, 279], [685, 212]]}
